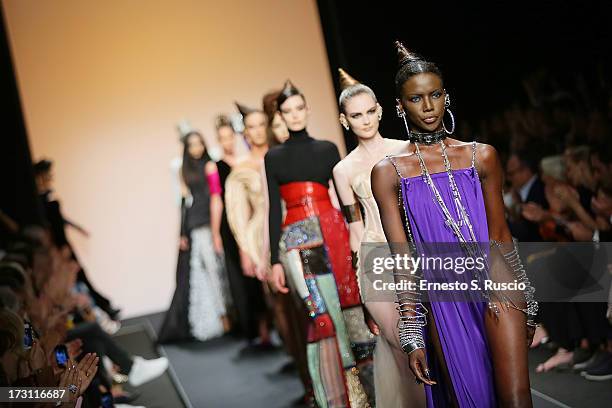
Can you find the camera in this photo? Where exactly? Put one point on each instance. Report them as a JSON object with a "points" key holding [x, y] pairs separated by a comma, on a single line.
{"points": [[28, 338], [61, 355]]}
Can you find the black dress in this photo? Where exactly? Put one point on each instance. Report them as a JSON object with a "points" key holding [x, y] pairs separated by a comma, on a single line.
{"points": [[199, 300], [247, 293]]}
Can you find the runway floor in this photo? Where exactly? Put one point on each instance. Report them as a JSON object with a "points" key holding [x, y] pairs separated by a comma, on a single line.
{"points": [[218, 374]]}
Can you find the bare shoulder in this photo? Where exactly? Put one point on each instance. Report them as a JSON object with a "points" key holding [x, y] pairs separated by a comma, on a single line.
{"points": [[210, 167], [487, 161], [384, 168], [342, 166], [460, 145], [349, 167], [395, 146], [486, 154]]}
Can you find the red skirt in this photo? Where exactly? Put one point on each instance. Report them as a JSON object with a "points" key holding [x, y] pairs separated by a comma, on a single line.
{"points": [[307, 199]]}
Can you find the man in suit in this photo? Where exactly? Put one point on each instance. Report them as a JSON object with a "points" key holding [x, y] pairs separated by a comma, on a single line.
{"points": [[527, 187]]}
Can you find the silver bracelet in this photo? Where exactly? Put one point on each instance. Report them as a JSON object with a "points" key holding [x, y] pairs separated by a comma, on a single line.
{"points": [[513, 260], [411, 332], [412, 317]]}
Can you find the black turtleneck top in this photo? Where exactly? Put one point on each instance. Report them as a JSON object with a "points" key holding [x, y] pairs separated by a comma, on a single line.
{"points": [[300, 158]]}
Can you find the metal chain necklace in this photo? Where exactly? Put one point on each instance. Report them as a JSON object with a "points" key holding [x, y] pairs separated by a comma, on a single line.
{"points": [[449, 220], [473, 250]]}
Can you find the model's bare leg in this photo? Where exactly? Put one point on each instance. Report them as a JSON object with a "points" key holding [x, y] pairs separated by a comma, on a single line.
{"points": [[507, 333], [441, 362]]}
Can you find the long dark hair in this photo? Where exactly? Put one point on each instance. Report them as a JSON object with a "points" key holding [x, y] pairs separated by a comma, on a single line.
{"points": [[269, 104], [192, 168]]}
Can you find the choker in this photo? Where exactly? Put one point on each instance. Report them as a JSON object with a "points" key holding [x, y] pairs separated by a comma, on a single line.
{"points": [[427, 138]]}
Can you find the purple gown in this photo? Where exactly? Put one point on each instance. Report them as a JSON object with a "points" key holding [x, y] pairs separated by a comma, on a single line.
{"points": [[460, 325]]}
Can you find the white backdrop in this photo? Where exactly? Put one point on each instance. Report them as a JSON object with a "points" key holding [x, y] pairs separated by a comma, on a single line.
{"points": [[103, 86]]}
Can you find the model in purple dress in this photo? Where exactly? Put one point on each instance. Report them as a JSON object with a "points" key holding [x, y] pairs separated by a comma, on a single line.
{"points": [[467, 353]]}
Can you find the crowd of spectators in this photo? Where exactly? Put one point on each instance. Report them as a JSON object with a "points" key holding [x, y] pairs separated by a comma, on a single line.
{"points": [[55, 328], [555, 146]]}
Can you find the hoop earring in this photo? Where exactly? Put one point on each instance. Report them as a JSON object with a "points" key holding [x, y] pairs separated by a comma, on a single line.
{"points": [[450, 132], [401, 114]]}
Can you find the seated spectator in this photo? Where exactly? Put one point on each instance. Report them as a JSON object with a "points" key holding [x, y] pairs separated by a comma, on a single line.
{"points": [[42, 309], [526, 188], [57, 223]]}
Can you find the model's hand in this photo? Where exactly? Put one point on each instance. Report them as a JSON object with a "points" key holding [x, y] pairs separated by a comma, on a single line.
{"points": [[184, 243], [261, 272], [87, 368], [72, 380], [567, 194], [370, 322], [579, 231], [38, 359], [277, 279], [418, 365], [247, 265], [532, 212], [217, 243]]}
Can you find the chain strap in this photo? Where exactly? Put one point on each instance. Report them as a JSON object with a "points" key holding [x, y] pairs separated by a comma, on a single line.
{"points": [[412, 312]]}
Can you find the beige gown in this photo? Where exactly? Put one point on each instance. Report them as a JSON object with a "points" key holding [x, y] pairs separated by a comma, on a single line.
{"points": [[247, 214], [245, 208], [394, 381]]}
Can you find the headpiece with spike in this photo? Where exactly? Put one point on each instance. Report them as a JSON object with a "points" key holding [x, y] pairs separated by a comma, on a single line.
{"points": [[346, 80], [404, 55], [289, 88], [184, 128], [409, 64], [288, 91], [245, 110], [221, 121]]}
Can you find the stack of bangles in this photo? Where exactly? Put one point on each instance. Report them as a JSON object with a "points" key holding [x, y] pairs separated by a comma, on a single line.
{"points": [[413, 313], [513, 260]]}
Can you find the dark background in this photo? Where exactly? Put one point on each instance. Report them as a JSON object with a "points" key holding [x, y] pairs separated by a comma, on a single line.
{"points": [[18, 196], [484, 49]]}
